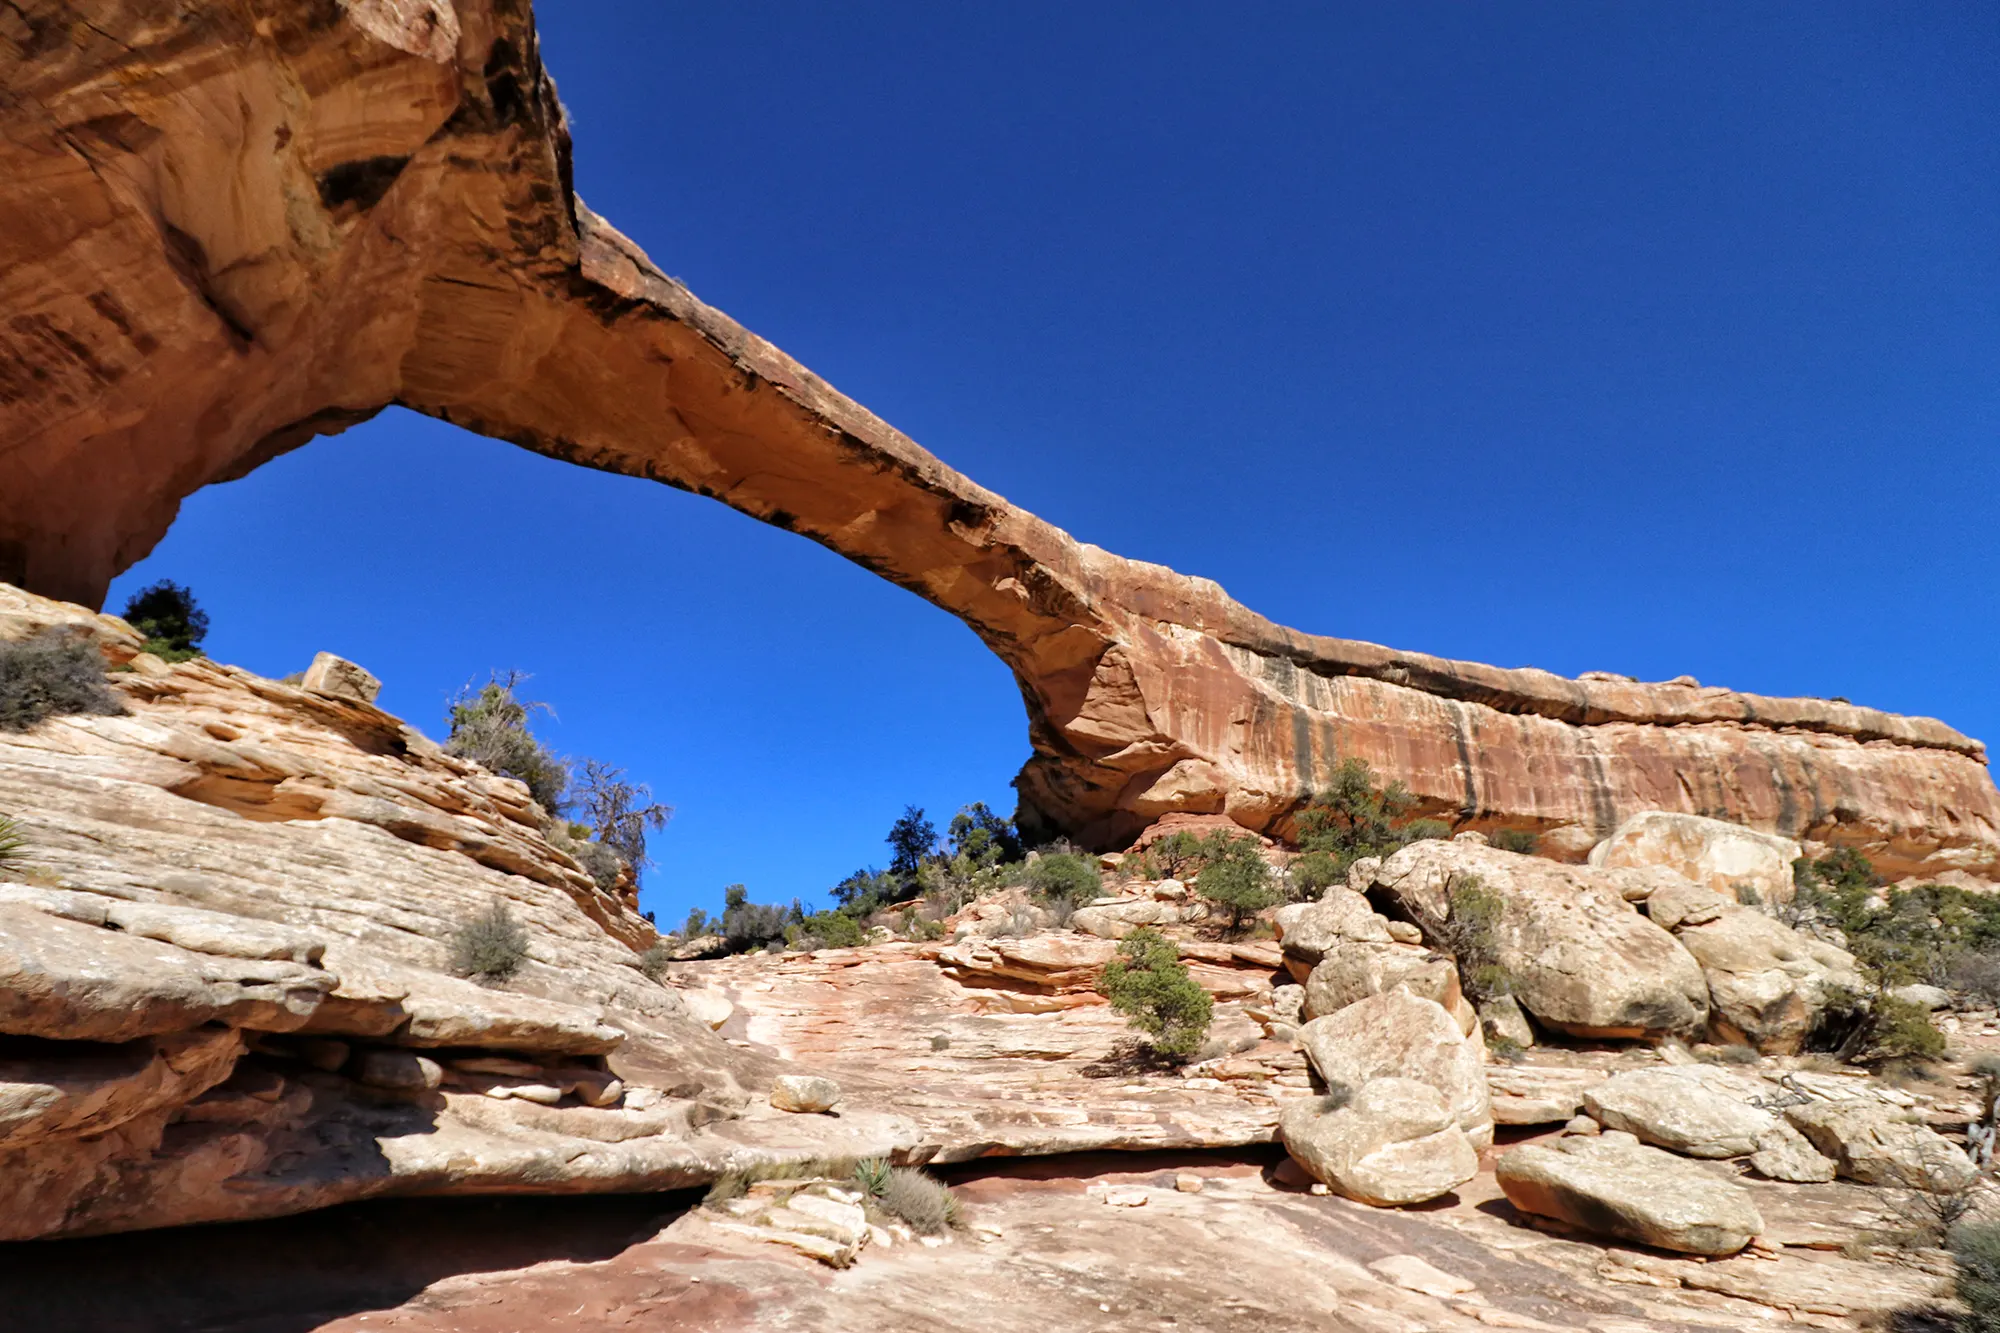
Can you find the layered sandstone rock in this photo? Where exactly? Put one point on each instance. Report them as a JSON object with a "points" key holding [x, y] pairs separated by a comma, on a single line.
{"points": [[227, 233]]}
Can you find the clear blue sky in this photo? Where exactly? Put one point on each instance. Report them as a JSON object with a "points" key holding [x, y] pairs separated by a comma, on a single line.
{"points": [[1652, 338]]}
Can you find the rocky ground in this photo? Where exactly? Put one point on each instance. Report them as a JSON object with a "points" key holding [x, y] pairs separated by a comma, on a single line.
{"points": [[226, 984]]}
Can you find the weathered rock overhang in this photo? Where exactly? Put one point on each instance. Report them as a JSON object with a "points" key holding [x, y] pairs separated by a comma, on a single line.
{"points": [[231, 228]]}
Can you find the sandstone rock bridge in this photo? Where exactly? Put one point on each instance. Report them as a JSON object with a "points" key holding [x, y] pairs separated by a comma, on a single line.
{"points": [[227, 226]]}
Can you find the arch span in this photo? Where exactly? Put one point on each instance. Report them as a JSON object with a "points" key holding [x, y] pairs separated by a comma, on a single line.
{"points": [[231, 227]]}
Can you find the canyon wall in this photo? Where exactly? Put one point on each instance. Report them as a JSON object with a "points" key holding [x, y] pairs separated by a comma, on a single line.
{"points": [[228, 228]]}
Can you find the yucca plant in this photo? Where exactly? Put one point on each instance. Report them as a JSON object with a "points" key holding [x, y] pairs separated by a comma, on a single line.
{"points": [[12, 840]]}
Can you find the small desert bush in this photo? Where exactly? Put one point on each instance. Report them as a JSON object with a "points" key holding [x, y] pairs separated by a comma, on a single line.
{"points": [[491, 946], [172, 622], [654, 961], [1354, 818], [1149, 984], [824, 930], [1516, 840], [490, 727], [1235, 878], [745, 925], [1468, 931], [912, 1196], [56, 673], [1312, 873], [1976, 1247], [1069, 876], [12, 840]]}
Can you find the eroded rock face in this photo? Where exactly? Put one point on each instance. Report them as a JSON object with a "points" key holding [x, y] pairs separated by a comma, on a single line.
{"points": [[184, 308], [1583, 961]]}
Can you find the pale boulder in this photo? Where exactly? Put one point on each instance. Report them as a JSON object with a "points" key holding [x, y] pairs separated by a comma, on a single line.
{"points": [[804, 1093], [1713, 853], [342, 679], [710, 1008], [1678, 1110], [1767, 983], [1582, 960], [1350, 971], [1612, 1185], [1307, 931], [1878, 1144], [1400, 1035], [1785, 1154], [1392, 1142]]}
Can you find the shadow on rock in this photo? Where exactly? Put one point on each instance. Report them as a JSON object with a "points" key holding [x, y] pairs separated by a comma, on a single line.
{"points": [[299, 1273]]}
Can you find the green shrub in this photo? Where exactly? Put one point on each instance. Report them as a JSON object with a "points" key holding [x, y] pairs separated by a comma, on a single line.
{"points": [[1173, 856], [491, 946], [619, 813], [1354, 818], [1149, 984], [824, 930], [1313, 873], [871, 1176], [1976, 1247], [171, 621], [1235, 878], [12, 840], [1065, 876], [746, 925], [988, 839], [1870, 1027], [490, 727], [57, 673], [1469, 932], [1523, 841]]}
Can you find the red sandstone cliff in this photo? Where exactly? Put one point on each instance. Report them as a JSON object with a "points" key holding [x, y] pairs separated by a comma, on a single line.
{"points": [[226, 228]]}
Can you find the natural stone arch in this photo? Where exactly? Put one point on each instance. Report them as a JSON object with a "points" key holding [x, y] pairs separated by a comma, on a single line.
{"points": [[232, 229]]}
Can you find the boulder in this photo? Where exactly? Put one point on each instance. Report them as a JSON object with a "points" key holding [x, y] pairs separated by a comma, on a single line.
{"points": [[1676, 1109], [1612, 1185], [1502, 1020], [1785, 1154], [1392, 1142], [804, 1093], [1767, 983], [1928, 998], [1712, 853], [1527, 1094], [1308, 930], [1349, 971], [400, 1071], [1878, 1144], [1583, 961], [342, 679], [709, 1008], [1400, 1035]]}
